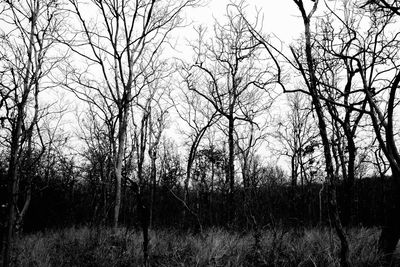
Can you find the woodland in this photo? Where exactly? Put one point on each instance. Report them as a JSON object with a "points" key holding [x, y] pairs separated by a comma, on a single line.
{"points": [[116, 150]]}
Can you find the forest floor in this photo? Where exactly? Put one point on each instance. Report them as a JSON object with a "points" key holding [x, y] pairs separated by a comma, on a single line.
{"points": [[215, 247]]}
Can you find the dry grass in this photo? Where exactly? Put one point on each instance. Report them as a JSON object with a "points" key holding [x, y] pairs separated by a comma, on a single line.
{"points": [[216, 247]]}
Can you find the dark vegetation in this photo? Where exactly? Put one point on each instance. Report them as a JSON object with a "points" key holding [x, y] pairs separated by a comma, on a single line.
{"points": [[60, 202], [275, 223]]}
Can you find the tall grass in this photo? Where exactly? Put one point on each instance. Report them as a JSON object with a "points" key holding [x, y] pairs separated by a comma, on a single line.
{"points": [[215, 247]]}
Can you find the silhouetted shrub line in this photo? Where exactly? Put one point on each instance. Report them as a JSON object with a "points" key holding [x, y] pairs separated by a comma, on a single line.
{"points": [[56, 207]]}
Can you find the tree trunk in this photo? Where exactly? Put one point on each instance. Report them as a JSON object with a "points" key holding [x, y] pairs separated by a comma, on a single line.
{"points": [[117, 206], [245, 175], [294, 171], [13, 188], [20, 219], [144, 219], [320, 204], [118, 165], [212, 193], [30, 160], [231, 168], [153, 178], [349, 183], [187, 180], [142, 202]]}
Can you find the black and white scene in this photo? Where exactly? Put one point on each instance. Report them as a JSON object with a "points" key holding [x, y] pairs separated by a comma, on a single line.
{"points": [[199, 133]]}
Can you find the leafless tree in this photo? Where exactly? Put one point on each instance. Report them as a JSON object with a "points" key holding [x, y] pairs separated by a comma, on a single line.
{"points": [[198, 116], [248, 138], [27, 38], [121, 43], [228, 74], [298, 138], [304, 62], [149, 118], [343, 102], [374, 56], [309, 73]]}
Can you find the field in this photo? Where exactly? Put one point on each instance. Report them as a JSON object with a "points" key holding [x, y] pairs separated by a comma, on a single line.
{"points": [[214, 247]]}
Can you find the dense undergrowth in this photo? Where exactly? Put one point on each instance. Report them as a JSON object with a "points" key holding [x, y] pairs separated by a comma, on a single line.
{"points": [[215, 247]]}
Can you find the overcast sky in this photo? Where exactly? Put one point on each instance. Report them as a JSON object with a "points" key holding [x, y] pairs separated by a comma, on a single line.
{"points": [[280, 16]]}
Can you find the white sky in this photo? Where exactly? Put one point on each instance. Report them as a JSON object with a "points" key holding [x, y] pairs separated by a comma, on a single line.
{"points": [[280, 17]]}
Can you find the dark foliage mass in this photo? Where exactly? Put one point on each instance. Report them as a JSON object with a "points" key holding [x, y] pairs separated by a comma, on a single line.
{"points": [[63, 203]]}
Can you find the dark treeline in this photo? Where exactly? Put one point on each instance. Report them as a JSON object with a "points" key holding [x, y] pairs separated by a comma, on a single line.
{"points": [[62, 202]]}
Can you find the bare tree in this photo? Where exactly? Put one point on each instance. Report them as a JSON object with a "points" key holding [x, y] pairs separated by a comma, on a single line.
{"points": [[139, 145], [228, 75], [374, 54], [344, 103], [370, 55], [305, 64], [149, 118], [120, 43], [309, 73], [27, 38], [297, 137], [198, 116], [248, 138]]}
